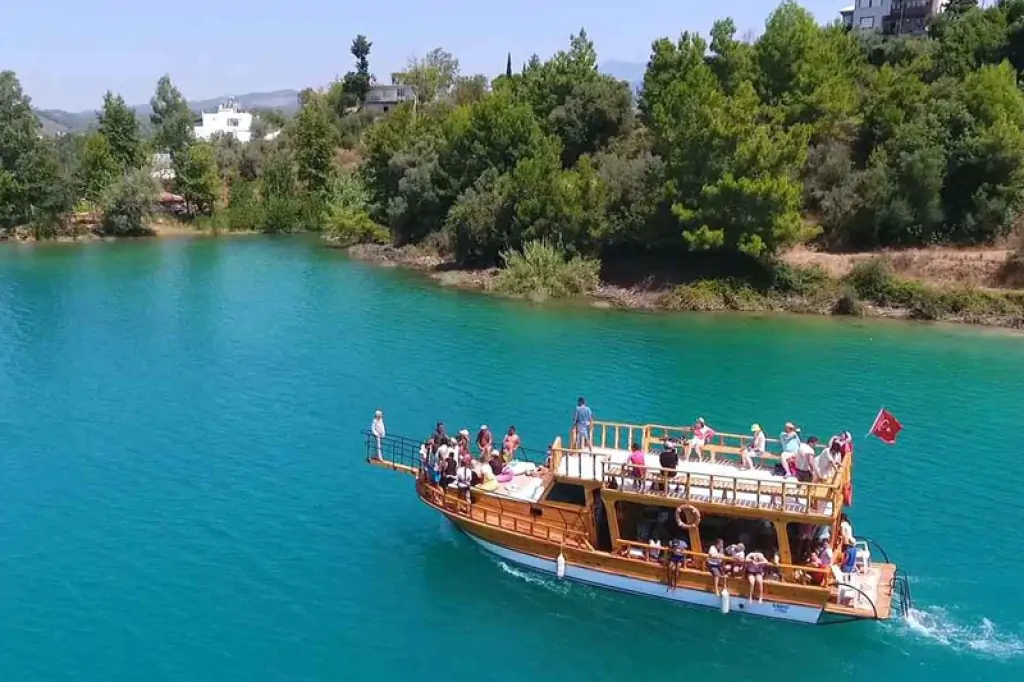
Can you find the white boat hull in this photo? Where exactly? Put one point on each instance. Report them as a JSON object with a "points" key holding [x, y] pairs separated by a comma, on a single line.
{"points": [[790, 612]]}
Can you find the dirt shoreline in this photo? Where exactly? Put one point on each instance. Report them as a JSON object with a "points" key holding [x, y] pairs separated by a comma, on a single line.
{"points": [[157, 230], [641, 296]]}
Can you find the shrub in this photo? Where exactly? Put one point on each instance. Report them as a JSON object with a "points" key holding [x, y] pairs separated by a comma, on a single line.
{"points": [[542, 271], [244, 210], [847, 303], [704, 295], [873, 280], [347, 226], [717, 294], [128, 203]]}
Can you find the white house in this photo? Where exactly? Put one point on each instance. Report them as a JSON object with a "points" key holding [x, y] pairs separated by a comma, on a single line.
{"points": [[227, 119], [892, 17], [381, 99]]}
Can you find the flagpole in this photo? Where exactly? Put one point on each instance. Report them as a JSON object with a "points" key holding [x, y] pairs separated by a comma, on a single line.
{"points": [[875, 423]]}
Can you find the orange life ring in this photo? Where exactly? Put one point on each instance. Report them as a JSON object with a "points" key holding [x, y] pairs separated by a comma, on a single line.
{"points": [[693, 513]]}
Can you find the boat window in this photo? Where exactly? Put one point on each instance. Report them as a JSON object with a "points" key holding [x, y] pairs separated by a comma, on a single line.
{"points": [[643, 523], [804, 538], [755, 534], [568, 493]]}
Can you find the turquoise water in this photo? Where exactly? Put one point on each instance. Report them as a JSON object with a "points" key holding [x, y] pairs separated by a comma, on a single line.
{"points": [[184, 498]]}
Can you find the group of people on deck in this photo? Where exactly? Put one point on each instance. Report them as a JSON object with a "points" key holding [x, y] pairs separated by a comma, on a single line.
{"points": [[448, 460], [798, 458]]}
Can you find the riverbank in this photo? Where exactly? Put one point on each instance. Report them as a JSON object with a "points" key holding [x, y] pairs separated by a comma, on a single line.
{"points": [[161, 227], [870, 285]]}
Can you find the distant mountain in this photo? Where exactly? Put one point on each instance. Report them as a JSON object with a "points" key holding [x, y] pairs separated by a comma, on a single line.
{"points": [[627, 71], [58, 121]]}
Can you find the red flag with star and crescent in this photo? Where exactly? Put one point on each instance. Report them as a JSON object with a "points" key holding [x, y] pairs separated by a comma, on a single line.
{"points": [[886, 427]]}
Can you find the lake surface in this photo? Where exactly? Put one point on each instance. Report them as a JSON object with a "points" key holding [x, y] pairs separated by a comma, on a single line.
{"points": [[184, 495]]}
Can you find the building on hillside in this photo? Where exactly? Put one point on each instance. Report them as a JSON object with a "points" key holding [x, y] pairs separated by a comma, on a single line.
{"points": [[383, 98], [227, 119], [892, 17], [846, 14]]}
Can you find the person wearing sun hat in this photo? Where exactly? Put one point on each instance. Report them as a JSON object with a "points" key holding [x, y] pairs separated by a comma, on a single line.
{"points": [[702, 433], [755, 448]]}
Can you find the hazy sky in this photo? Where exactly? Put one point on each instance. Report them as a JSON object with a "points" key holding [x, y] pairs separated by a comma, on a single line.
{"points": [[68, 52]]}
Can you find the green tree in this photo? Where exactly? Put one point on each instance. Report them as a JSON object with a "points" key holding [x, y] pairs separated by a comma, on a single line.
{"points": [[469, 89], [313, 137], [357, 83], [431, 77], [97, 169], [128, 203], [196, 178], [171, 117], [278, 189], [118, 124], [31, 191]]}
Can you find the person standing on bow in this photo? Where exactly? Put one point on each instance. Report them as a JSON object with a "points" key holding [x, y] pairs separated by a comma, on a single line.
{"points": [[582, 423], [378, 430], [510, 445], [484, 440]]}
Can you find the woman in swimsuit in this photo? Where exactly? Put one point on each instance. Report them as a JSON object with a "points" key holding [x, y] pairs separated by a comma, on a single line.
{"points": [[756, 562]]}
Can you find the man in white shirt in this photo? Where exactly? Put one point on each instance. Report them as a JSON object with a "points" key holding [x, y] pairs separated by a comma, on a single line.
{"points": [[805, 460]]}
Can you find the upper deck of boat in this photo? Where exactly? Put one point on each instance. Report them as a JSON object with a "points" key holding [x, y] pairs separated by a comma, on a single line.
{"points": [[720, 483]]}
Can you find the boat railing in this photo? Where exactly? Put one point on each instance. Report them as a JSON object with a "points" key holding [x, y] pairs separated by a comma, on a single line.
{"points": [[505, 514], [724, 489], [403, 454], [697, 561], [729, 443]]}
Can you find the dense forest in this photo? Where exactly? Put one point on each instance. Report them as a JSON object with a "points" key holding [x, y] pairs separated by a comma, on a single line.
{"points": [[740, 149]]}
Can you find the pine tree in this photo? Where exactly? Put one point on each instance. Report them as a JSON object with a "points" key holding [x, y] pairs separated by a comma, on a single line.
{"points": [[117, 123]]}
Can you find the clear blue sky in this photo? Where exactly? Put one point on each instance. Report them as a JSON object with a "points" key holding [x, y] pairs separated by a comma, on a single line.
{"points": [[68, 52]]}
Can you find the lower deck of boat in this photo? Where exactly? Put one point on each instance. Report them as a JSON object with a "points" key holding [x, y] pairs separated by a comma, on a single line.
{"points": [[865, 594]]}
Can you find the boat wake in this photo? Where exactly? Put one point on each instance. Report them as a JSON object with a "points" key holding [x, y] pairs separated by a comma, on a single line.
{"points": [[526, 575], [936, 625]]}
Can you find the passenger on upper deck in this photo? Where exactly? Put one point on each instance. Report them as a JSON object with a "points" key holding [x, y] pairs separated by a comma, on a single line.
{"points": [[510, 444], [582, 423], [790, 440], [804, 460], [668, 459], [756, 447], [637, 460], [827, 460], [484, 440], [463, 441], [701, 434]]}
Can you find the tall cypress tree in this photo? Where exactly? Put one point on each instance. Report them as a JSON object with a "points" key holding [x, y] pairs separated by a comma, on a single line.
{"points": [[508, 66]]}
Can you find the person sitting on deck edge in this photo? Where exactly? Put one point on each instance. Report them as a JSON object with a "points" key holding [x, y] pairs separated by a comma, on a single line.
{"points": [[756, 448], [702, 433]]}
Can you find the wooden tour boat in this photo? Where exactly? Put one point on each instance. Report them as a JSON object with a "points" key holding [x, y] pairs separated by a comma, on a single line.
{"points": [[588, 517]]}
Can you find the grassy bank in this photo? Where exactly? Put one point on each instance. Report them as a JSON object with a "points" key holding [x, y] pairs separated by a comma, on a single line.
{"points": [[870, 287]]}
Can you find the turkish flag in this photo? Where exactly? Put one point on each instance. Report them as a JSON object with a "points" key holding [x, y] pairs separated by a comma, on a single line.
{"points": [[886, 427]]}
